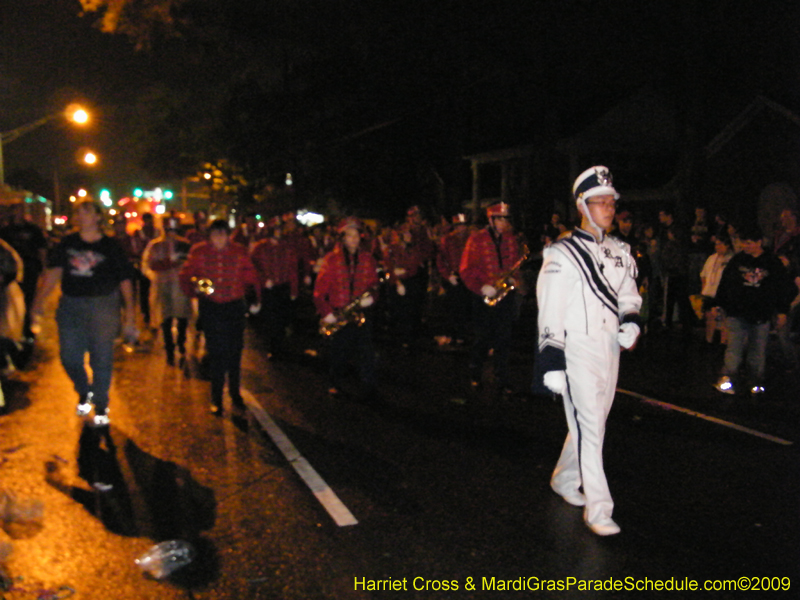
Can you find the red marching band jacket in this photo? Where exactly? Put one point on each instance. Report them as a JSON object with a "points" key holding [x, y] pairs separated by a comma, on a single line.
{"points": [[481, 263], [230, 270], [304, 251], [335, 288], [451, 249], [402, 256], [276, 259]]}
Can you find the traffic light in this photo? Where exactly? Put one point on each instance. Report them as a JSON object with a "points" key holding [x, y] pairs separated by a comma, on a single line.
{"points": [[138, 192]]}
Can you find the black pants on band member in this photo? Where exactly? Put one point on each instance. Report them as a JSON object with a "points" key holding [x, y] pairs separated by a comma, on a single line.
{"points": [[493, 330], [223, 327]]}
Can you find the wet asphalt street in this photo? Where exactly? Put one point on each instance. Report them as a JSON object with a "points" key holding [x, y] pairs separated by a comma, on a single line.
{"points": [[449, 489]]}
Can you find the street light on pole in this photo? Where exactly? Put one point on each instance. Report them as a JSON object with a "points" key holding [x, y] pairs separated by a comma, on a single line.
{"points": [[74, 113]]}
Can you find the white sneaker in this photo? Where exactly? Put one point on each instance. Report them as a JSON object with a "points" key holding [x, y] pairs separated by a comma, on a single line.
{"points": [[725, 385], [607, 527], [85, 407], [101, 420]]}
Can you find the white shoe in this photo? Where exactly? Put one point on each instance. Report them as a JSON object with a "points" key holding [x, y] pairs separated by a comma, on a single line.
{"points": [[607, 527], [101, 420], [725, 385], [575, 498]]}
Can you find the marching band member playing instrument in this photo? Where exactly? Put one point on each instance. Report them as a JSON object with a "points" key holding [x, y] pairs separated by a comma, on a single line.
{"points": [[275, 259], [457, 297], [490, 252], [348, 272], [230, 280], [401, 258], [588, 309]]}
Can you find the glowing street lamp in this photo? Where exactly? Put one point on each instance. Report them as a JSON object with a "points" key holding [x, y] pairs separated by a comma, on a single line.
{"points": [[73, 113], [78, 115]]}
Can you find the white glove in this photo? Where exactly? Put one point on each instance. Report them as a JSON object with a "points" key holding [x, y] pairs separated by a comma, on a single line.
{"points": [[255, 308], [366, 302], [628, 332], [268, 284], [489, 291], [453, 280], [399, 272], [401, 289], [330, 319], [556, 381]]}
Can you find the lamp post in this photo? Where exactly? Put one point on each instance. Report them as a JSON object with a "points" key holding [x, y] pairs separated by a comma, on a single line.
{"points": [[73, 113]]}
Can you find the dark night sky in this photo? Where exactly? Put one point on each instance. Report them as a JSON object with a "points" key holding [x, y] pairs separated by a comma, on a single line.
{"points": [[49, 57], [581, 56]]}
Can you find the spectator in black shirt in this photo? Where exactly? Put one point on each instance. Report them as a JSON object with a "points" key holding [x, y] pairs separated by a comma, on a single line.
{"points": [[94, 273], [754, 288]]}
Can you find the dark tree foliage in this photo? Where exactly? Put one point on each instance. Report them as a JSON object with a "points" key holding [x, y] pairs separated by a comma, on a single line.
{"points": [[376, 103]]}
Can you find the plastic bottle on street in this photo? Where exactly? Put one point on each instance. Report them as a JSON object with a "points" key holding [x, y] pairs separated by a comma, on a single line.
{"points": [[164, 558]]}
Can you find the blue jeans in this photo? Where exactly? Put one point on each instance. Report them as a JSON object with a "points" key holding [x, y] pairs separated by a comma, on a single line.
{"points": [[89, 324], [744, 336]]}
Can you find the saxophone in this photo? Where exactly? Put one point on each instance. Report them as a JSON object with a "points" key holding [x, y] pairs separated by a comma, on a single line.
{"points": [[504, 284], [350, 313]]}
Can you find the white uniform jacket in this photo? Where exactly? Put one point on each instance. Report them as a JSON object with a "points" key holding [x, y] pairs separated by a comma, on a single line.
{"points": [[583, 286]]}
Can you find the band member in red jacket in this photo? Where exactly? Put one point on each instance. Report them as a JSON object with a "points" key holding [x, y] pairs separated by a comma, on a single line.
{"points": [[275, 260], [348, 275], [401, 258], [489, 253], [296, 235], [457, 297], [232, 283]]}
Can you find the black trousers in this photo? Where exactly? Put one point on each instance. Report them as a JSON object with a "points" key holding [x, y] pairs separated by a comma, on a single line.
{"points": [[353, 343], [458, 302], [494, 326], [276, 316], [223, 326]]}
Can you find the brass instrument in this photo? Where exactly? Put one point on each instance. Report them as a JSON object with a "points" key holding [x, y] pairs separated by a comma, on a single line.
{"points": [[505, 284], [203, 286], [350, 313]]}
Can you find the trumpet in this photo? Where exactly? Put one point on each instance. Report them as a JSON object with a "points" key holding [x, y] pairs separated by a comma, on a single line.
{"points": [[203, 286], [504, 284]]}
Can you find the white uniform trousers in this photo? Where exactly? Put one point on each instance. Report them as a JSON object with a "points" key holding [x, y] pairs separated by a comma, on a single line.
{"points": [[592, 369]]}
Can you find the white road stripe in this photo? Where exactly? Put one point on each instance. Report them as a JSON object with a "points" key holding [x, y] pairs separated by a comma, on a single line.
{"points": [[326, 496], [694, 413]]}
